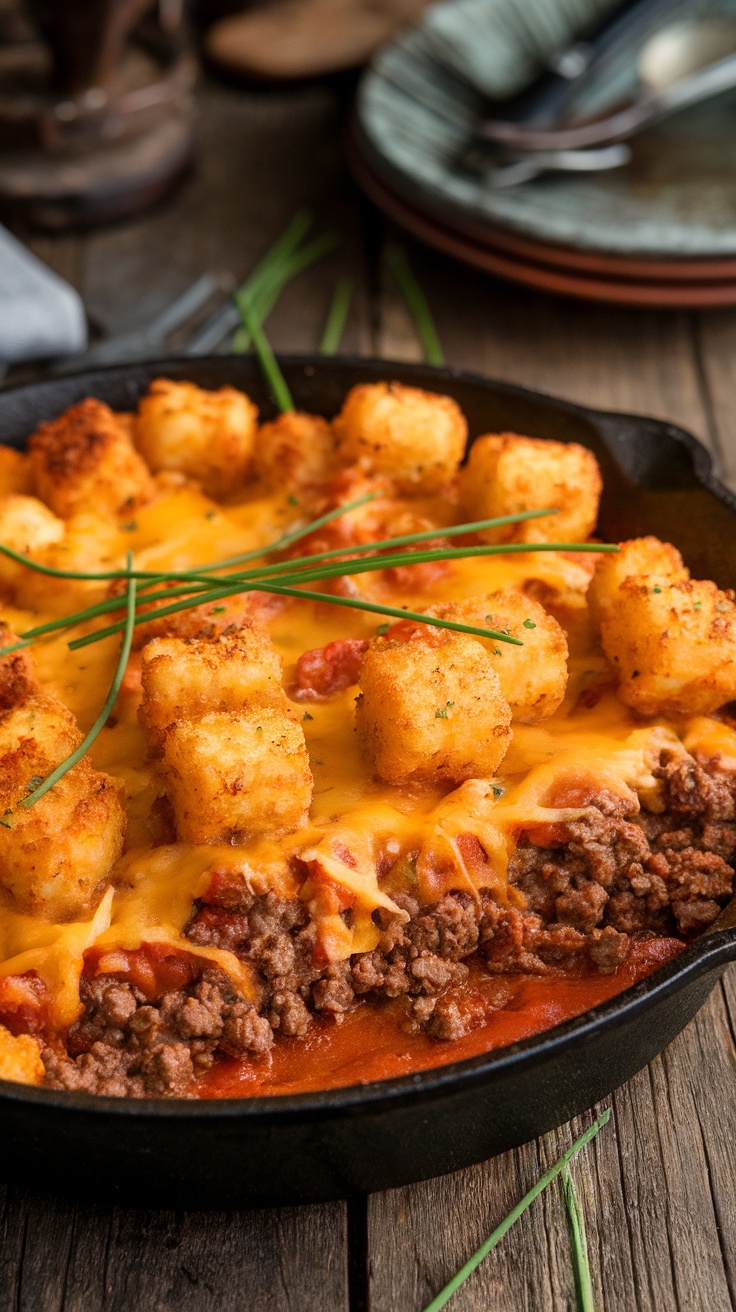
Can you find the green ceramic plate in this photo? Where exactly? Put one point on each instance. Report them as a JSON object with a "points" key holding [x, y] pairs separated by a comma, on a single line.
{"points": [[418, 103]]}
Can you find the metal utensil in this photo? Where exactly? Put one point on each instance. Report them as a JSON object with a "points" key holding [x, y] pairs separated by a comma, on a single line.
{"points": [[508, 169], [139, 342], [681, 65]]}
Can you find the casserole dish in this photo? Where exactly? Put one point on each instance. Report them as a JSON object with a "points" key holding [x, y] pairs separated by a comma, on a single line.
{"points": [[307, 1147]]}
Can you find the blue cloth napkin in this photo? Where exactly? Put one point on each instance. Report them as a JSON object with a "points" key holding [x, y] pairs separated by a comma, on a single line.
{"points": [[41, 316]]}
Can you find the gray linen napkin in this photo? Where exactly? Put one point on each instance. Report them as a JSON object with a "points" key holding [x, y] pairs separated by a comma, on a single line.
{"points": [[41, 316]]}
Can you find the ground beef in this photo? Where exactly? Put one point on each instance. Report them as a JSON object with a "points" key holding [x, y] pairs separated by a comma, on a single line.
{"points": [[125, 1045], [667, 873], [608, 876]]}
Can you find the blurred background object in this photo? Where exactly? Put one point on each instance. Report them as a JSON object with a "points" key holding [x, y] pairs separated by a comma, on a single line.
{"points": [[285, 40], [95, 107], [452, 116], [42, 316]]}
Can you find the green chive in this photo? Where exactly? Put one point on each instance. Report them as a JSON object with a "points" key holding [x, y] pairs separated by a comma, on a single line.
{"points": [[583, 1282], [337, 317], [104, 714], [418, 307], [264, 296], [446, 1294], [203, 588], [276, 258], [279, 266], [280, 544], [301, 594], [266, 358], [277, 584]]}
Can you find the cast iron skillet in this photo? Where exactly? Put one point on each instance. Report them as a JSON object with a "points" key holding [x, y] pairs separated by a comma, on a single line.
{"points": [[308, 1147]]}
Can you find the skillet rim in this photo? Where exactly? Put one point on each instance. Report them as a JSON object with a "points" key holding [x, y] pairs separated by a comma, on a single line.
{"points": [[709, 953]]}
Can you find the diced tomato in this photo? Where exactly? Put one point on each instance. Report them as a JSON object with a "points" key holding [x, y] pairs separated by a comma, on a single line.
{"points": [[415, 578], [153, 968], [133, 677], [325, 671], [23, 1003], [226, 889], [473, 854]]}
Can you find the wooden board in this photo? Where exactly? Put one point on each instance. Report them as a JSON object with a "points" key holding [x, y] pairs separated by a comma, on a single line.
{"points": [[659, 1185]]}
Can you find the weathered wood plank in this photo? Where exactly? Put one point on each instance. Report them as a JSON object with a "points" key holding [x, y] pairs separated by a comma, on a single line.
{"points": [[60, 1256], [715, 338], [657, 1188], [637, 360], [283, 154]]}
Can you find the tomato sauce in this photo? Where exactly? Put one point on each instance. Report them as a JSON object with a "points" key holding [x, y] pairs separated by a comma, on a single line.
{"points": [[370, 1043]]}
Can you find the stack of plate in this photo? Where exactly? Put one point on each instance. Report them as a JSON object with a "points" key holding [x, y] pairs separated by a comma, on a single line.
{"points": [[660, 231]]}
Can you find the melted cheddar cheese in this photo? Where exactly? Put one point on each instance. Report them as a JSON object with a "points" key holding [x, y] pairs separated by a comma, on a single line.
{"points": [[358, 826]]}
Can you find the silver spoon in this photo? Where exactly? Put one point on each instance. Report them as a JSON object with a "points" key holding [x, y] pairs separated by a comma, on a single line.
{"points": [[682, 64], [508, 169]]}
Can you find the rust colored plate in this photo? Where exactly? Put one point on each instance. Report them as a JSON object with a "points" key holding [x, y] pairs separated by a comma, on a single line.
{"points": [[506, 260]]}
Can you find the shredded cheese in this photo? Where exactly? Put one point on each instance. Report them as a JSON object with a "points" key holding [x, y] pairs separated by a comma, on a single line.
{"points": [[356, 823]]}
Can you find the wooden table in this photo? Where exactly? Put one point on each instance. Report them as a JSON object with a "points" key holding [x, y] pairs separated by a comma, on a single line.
{"points": [[659, 1184]]}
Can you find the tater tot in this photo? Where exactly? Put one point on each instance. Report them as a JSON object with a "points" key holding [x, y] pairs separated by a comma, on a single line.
{"points": [[28, 527], [232, 776], [20, 1058], [672, 645], [56, 854], [85, 461], [17, 673], [431, 709], [533, 678], [294, 451], [15, 472], [184, 679], [507, 474], [208, 436], [416, 438], [640, 558]]}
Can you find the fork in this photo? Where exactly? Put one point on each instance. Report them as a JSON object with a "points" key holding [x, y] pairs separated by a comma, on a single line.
{"points": [[145, 340]]}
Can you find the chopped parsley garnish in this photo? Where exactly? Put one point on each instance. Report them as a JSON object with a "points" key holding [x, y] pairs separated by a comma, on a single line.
{"points": [[656, 590], [218, 610], [497, 651], [34, 783], [292, 500], [130, 527], [210, 514], [498, 791], [442, 714], [697, 605], [529, 624], [382, 629], [307, 716]]}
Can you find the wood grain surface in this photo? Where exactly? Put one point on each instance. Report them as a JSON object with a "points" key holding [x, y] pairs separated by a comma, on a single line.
{"points": [[659, 1184]]}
